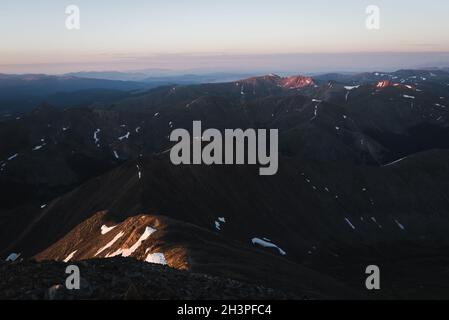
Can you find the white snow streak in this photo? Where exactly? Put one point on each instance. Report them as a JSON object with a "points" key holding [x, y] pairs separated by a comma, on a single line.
{"points": [[350, 223], [110, 243], [70, 256], [400, 225], [96, 139], [394, 162], [375, 221], [13, 157], [139, 173]]}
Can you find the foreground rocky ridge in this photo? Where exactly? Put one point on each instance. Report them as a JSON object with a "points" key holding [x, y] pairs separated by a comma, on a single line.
{"points": [[122, 279]]}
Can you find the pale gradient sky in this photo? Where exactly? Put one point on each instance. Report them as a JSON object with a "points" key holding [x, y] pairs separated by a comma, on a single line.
{"points": [[193, 34]]}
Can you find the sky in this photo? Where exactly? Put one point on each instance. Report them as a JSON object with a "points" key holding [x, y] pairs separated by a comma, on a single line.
{"points": [[217, 35]]}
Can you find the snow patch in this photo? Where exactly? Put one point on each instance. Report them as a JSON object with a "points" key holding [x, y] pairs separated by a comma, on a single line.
{"points": [[127, 252], [12, 257], [105, 229], [126, 136], [218, 223], [267, 244], [158, 258]]}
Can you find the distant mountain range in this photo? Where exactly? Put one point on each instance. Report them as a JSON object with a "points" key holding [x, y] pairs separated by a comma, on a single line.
{"points": [[21, 93], [161, 76], [363, 179]]}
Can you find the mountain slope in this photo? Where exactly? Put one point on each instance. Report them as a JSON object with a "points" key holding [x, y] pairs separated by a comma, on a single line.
{"points": [[180, 245], [363, 179]]}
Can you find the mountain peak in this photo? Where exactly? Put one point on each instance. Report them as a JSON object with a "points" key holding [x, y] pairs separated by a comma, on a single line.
{"points": [[295, 82]]}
